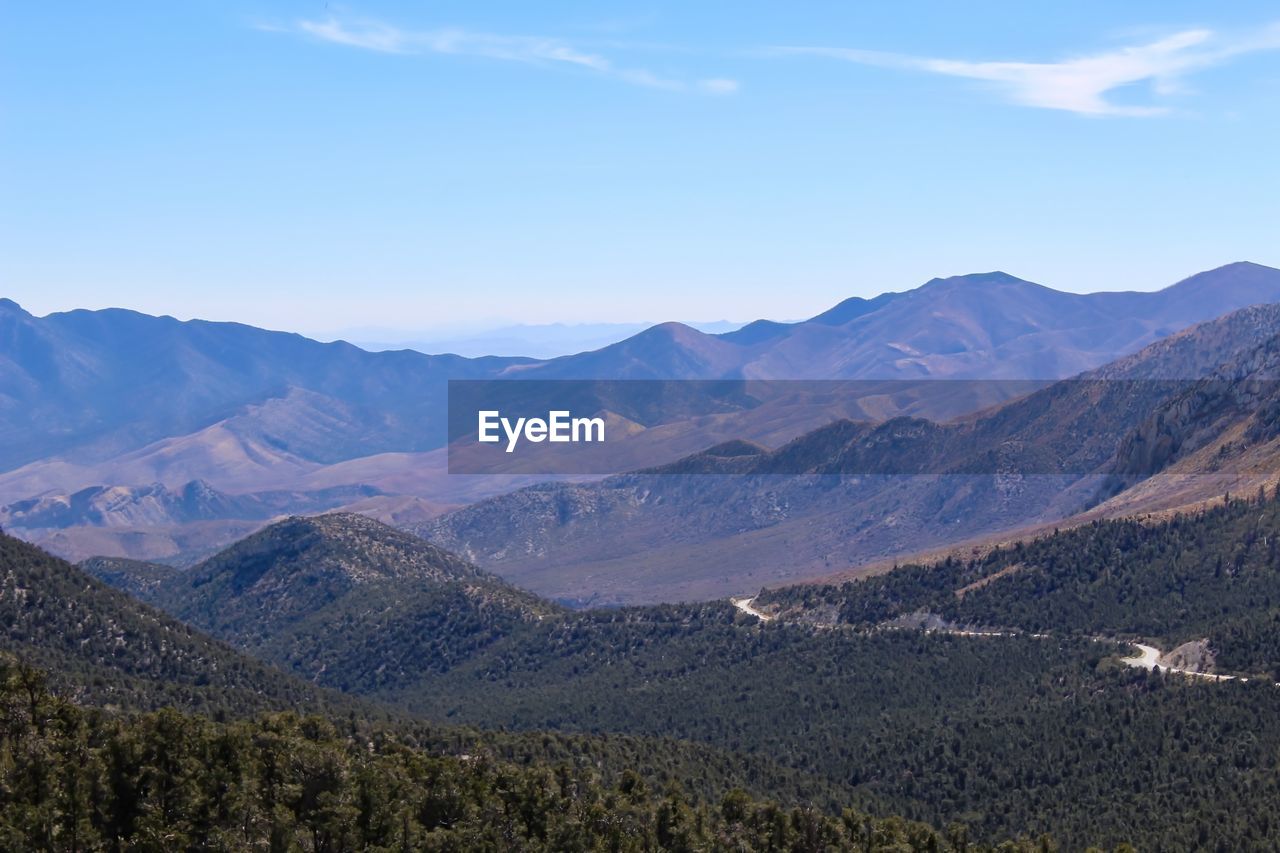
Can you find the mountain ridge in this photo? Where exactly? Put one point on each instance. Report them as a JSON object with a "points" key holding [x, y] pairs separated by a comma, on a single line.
{"points": [[280, 593], [846, 493], [125, 400]]}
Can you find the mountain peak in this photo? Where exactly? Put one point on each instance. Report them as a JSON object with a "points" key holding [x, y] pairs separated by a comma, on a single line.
{"points": [[8, 306], [670, 329], [994, 277], [288, 571], [1235, 284], [332, 550], [1244, 265], [1235, 272]]}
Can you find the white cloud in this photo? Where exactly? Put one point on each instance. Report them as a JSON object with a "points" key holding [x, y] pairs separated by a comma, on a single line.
{"points": [[383, 38], [1082, 84], [718, 86]]}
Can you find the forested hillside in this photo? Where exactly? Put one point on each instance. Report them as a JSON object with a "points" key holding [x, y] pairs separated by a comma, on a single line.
{"points": [[342, 600], [78, 780], [1213, 574], [101, 648], [1010, 735], [105, 648]]}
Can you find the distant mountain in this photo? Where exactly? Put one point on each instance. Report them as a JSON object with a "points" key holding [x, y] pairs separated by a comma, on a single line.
{"points": [[104, 383], [984, 326], [91, 385], [549, 340], [157, 505], [852, 493], [343, 600], [115, 400]]}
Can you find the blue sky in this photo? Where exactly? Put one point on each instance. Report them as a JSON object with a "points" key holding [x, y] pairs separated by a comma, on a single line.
{"points": [[318, 166]]}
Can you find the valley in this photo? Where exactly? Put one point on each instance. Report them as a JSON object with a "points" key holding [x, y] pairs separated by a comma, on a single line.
{"points": [[732, 645], [663, 428], [984, 722]]}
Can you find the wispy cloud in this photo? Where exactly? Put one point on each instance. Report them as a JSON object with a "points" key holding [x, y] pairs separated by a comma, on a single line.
{"points": [[1082, 84], [533, 50]]}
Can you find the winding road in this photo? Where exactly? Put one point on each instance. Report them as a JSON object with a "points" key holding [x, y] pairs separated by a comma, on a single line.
{"points": [[744, 604], [1148, 657]]}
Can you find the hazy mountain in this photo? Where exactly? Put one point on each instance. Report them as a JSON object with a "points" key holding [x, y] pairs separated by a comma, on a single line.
{"points": [[549, 340], [848, 493], [115, 400], [984, 326], [103, 383], [157, 505]]}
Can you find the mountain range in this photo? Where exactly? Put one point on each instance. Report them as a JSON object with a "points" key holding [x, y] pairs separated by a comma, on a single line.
{"points": [[853, 493], [130, 406], [543, 341]]}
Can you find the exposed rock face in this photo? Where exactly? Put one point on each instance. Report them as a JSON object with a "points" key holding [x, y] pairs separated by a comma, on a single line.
{"points": [[1195, 656], [1244, 391]]}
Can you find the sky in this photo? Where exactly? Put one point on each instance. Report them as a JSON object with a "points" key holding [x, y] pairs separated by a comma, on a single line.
{"points": [[315, 166]]}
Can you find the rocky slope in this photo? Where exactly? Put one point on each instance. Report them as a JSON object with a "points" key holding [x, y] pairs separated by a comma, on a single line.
{"points": [[849, 493]]}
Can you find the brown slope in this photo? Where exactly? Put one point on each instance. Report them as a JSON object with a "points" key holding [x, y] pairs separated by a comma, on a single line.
{"points": [[844, 495]]}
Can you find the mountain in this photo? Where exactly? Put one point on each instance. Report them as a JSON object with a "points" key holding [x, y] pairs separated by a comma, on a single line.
{"points": [[533, 341], [1207, 577], [343, 600], [850, 493], [1038, 733], [230, 730], [124, 400], [983, 326], [136, 577], [104, 648], [105, 383], [157, 505]]}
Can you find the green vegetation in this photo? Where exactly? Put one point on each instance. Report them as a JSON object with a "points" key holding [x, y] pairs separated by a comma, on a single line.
{"points": [[104, 648], [78, 780], [1005, 734], [1008, 735], [101, 648], [1213, 574], [345, 601]]}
